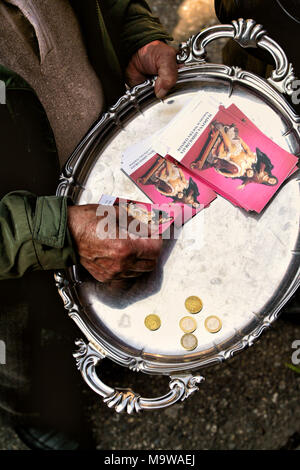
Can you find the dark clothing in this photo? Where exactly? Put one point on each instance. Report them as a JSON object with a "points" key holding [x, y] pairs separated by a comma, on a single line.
{"points": [[114, 30], [40, 374], [280, 18], [33, 231], [263, 159]]}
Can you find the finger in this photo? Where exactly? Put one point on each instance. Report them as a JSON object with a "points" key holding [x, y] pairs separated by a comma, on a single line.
{"points": [[133, 228], [131, 225], [134, 76], [97, 272], [117, 285], [147, 248], [129, 275], [144, 265], [167, 74], [113, 222], [134, 73], [114, 268]]}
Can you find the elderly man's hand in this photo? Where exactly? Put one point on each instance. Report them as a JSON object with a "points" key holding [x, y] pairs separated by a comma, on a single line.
{"points": [[110, 259], [156, 58]]}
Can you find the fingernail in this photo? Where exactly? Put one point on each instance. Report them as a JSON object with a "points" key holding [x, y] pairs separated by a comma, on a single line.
{"points": [[161, 93]]}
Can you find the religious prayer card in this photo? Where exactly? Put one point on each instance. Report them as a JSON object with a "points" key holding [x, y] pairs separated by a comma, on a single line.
{"points": [[233, 109], [165, 181], [225, 150], [154, 218]]}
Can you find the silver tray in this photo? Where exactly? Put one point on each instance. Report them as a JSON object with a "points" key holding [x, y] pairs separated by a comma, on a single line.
{"points": [[244, 267]]}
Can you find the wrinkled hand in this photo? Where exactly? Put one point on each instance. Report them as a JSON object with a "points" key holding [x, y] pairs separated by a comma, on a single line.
{"points": [[156, 58], [110, 259]]}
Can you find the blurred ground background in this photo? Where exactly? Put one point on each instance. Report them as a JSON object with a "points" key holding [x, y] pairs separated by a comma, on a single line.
{"points": [[250, 402], [183, 18]]}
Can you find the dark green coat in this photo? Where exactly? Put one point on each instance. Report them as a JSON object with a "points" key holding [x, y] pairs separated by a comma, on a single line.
{"points": [[33, 227]]}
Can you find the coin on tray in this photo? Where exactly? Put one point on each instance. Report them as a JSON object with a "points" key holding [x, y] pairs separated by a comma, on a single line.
{"points": [[188, 324], [189, 341], [213, 324], [152, 322], [193, 304]]}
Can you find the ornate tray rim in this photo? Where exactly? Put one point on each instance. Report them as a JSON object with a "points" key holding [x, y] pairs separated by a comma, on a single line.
{"points": [[192, 55]]}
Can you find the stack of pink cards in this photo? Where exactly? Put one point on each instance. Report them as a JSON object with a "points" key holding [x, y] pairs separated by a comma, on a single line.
{"points": [[142, 218], [227, 152], [165, 181]]}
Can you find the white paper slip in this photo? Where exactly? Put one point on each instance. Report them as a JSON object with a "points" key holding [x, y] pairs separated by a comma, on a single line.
{"points": [[137, 155], [180, 134], [107, 200]]}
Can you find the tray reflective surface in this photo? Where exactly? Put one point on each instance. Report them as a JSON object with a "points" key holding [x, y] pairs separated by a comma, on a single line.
{"points": [[243, 266]]}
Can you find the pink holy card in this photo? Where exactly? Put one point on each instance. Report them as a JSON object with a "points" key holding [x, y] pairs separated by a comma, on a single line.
{"points": [[165, 181], [235, 159]]}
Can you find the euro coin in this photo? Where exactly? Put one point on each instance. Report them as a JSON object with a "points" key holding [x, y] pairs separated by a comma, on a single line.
{"points": [[152, 322], [213, 324], [188, 324], [189, 342], [193, 304]]}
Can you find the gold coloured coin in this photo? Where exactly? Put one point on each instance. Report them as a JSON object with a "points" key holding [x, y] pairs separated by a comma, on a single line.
{"points": [[188, 324], [213, 324], [152, 322], [189, 342], [193, 304]]}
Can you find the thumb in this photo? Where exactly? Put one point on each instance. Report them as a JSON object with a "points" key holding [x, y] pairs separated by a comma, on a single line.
{"points": [[167, 70]]}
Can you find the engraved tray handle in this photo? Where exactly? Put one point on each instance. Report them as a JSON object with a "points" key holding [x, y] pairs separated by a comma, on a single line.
{"points": [[88, 357], [247, 33]]}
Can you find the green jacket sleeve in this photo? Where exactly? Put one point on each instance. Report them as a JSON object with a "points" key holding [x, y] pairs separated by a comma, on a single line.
{"points": [[131, 25], [114, 30], [140, 27], [33, 234]]}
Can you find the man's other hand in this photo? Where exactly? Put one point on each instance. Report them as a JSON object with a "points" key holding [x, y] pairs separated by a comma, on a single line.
{"points": [[110, 259], [156, 58]]}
